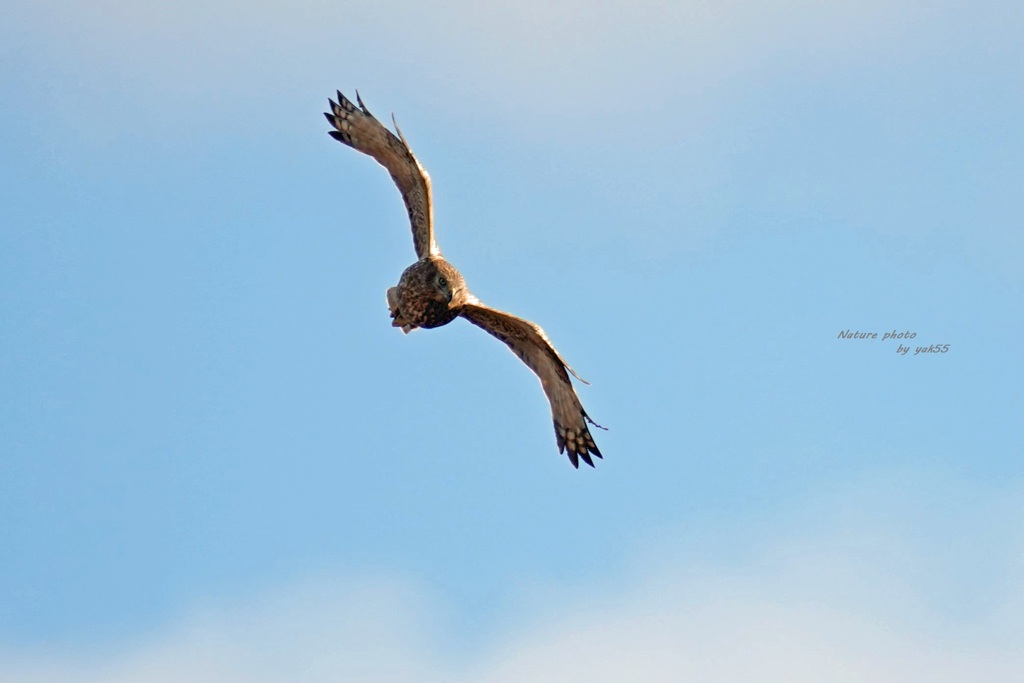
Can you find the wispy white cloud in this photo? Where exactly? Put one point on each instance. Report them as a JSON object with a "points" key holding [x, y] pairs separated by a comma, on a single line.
{"points": [[851, 602], [313, 630], [526, 60]]}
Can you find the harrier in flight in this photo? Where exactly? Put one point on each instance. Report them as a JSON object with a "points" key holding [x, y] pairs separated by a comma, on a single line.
{"points": [[431, 292]]}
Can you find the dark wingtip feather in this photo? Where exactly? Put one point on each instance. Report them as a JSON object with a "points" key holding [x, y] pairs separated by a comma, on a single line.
{"points": [[340, 137], [577, 449]]}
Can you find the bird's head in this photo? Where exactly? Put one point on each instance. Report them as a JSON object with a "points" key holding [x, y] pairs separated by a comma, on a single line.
{"points": [[448, 285]]}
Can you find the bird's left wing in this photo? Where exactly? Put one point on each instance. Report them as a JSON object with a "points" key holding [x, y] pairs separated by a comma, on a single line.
{"points": [[357, 128], [529, 342]]}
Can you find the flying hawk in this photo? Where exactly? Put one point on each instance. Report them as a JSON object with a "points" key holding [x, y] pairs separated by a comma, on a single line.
{"points": [[431, 292]]}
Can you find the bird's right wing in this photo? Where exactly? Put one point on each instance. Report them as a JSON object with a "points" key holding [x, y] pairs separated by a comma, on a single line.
{"points": [[357, 128]]}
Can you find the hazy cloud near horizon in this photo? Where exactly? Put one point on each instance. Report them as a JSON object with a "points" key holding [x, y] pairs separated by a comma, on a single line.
{"points": [[860, 599]]}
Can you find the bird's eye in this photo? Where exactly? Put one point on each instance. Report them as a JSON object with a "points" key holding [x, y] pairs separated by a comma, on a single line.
{"points": [[441, 281]]}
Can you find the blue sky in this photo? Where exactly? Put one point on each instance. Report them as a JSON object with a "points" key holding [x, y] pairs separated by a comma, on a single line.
{"points": [[218, 460]]}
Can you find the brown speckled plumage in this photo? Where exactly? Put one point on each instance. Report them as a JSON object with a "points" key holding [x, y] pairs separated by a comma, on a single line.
{"points": [[432, 293]]}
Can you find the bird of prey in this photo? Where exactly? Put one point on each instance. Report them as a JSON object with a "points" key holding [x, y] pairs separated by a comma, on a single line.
{"points": [[431, 292]]}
